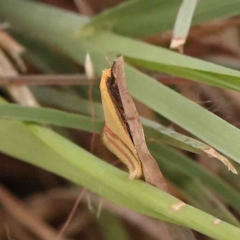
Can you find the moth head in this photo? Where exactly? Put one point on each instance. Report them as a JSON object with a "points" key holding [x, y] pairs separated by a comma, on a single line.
{"points": [[111, 80]]}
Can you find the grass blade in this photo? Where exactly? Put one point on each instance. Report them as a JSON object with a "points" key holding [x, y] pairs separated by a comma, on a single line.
{"points": [[58, 155], [183, 23], [156, 132], [156, 16], [159, 59], [49, 116], [171, 160]]}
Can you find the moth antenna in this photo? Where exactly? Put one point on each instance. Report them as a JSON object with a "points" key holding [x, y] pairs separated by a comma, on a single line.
{"points": [[108, 61]]}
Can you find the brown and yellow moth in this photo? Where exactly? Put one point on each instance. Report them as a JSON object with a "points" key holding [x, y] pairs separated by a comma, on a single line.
{"points": [[123, 133]]}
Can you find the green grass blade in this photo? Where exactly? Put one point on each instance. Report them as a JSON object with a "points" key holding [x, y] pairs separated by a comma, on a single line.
{"points": [[69, 101], [56, 154], [46, 58], [157, 102], [161, 134], [198, 121], [163, 60], [200, 197], [183, 23], [154, 131], [172, 161], [50, 116], [156, 16], [76, 121], [64, 36], [73, 22], [232, 180]]}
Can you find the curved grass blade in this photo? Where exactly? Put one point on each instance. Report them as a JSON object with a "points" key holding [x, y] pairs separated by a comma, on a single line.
{"points": [[59, 35], [171, 159], [159, 133], [52, 152], [155, 131]]}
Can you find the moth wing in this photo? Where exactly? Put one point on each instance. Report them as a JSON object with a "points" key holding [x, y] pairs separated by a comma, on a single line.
{"points": [[121, 145], [110, 113], [116, 146]]}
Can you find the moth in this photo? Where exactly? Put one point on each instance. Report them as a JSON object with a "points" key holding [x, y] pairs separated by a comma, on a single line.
{"points": [[123, 133]]}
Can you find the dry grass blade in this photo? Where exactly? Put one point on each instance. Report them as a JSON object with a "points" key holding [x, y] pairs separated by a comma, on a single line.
{"points": [[18, 211], [20, 94], [151, 171], [150, 226], [212, 153], [15, 231], [79, 198], [201, 148], [11, 46], [191, 145], [47, 79]]}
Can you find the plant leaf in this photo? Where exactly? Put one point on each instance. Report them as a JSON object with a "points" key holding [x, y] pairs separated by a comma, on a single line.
{"points": [[176, 167], [159, 59], [50, 116], [52, 152], [155, 131], [182, 24], [156, 16]]}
